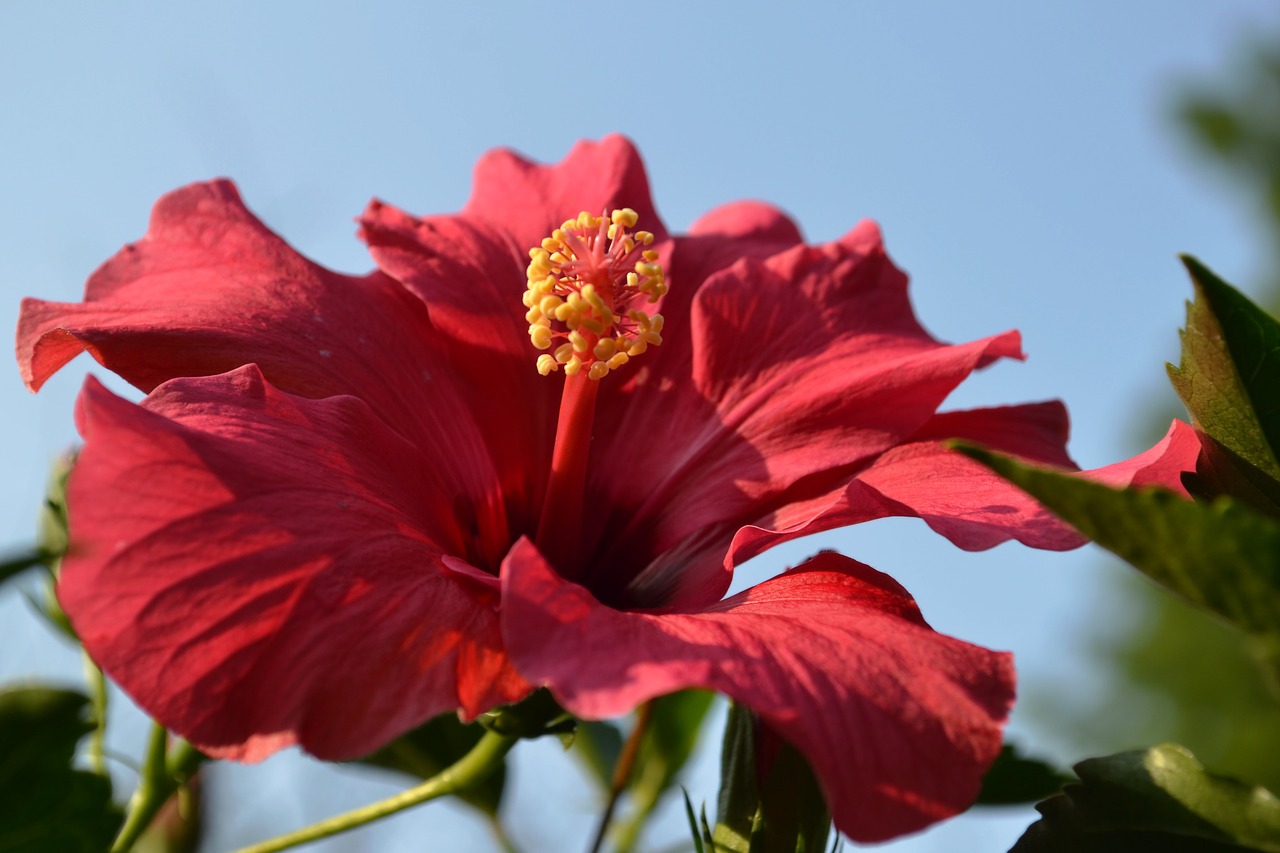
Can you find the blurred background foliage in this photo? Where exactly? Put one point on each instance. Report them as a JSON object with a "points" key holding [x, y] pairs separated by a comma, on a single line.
{"points": [[1180, 674]]}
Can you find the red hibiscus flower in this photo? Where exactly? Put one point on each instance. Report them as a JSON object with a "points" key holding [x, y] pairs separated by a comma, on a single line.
{"points": [[348, 504]]}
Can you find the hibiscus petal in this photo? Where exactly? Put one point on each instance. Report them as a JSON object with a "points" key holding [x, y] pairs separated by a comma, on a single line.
{"points": [[899, 722], [210, 288], [963, 500], [956, 496], [752, 222], [470, 270], [525, 200], [258, 569], [1162, 465], [473, 283], [804, 367]]}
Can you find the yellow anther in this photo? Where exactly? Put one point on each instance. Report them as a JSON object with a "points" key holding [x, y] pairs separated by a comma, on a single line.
{"points": [[585, 283], [605, 349], [541, 337]]}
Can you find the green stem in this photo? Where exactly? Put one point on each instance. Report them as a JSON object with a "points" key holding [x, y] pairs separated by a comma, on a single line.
{"points": [[151, 792], [162, 773], [484, 758], [183, 761], [98, 704]]}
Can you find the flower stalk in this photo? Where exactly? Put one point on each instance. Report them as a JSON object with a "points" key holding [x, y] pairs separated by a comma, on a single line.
{"points": [[163, 773], [98, 707], [474, 767]]}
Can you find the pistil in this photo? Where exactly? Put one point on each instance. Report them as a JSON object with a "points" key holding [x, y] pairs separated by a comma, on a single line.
{"points": [[588, 282], [560, 525]]}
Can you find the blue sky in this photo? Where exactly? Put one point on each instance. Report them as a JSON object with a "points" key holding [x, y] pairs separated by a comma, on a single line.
{"points": [[1021, 159]]}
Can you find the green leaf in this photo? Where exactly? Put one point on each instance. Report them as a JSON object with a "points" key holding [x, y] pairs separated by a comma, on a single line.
{"points": [[693, 824], [1014, 779], [1229, 377], [795, 816], [739, 798], [1223, 556], [599, 745], [46, 804], [1156, 799], [433, 746], [784, 815], [17, 563]]}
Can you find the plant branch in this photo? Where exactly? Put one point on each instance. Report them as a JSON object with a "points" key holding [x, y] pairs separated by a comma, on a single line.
{"points": [[162, 773], [98, 704], [484, 758]]}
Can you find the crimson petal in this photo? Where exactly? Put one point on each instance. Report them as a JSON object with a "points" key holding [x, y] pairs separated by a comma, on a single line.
{"points": [[210, 288], [526, 200], [959, 498], [274, 567], [1161, 465], [804, 367], [899, 722]]}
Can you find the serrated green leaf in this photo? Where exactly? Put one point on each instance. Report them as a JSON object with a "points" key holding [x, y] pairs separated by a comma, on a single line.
{"points": [[45, 804], [1014, 779], [433, 746], [1229, 376], [1156, 799], [1223, 557], [1221, 471]]}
